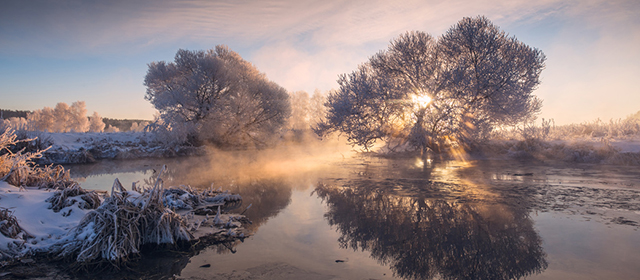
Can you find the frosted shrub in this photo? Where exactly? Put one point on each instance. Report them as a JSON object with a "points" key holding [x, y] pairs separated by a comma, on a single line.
{"points": [[139, 127], [15, 124], [17, 168], [14, 167]]}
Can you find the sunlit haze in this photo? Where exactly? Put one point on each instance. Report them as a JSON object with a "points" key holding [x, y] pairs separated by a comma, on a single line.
{"points": [[63, 51]]}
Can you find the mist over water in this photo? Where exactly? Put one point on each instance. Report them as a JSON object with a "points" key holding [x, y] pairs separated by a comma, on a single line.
{"points": [[402, 217]]}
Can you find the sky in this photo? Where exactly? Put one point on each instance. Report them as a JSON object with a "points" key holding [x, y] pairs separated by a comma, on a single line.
{"points": [[98, 51]]}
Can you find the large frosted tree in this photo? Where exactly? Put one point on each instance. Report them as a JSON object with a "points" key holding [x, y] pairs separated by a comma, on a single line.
{"points": [[435, 94], [216, 96]]}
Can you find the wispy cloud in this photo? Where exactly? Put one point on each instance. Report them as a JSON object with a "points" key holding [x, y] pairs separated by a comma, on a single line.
{"points": [[305, 44], [97, 27]]}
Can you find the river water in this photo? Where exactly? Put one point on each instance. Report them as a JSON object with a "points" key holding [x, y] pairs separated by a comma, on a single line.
{"points": [[361, 217]]}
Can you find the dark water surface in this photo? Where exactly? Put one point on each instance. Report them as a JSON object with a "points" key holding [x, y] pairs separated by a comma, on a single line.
{"points": [[378, 218]]}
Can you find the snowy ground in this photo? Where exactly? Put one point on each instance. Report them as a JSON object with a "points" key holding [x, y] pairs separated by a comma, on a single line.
{"points": [[627, 145], [624, 151], [89, 147], [41, 229], [30, 208]]}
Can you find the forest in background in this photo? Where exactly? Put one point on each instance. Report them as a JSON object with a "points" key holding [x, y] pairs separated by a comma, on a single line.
{"points": [[120, 124]]}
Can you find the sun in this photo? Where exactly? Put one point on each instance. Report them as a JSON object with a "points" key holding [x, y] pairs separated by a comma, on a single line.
{"points": [[421, 100]]}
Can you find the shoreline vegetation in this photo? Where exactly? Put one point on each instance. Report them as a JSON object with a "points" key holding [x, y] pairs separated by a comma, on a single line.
{"points": [[46, 216], [595, 142]]}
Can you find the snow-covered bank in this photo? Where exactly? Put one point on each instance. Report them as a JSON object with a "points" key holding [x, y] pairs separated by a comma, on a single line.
{"points": [[88, 147], [38, 227], [583, 150], [43, 212], [117, 228]]}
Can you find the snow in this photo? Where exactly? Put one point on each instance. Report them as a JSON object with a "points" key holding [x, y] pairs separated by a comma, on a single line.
{"points": [[47, 230], [30, 208], [627, 145], [72, 147], [75, 141], [72, 142]]}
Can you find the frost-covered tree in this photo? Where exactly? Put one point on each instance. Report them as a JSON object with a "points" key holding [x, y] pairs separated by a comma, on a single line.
{"points": [[42, 120], [63, 118], [95, 123], [216, 96], [434, 94], [306, 111], [300, 108], [317, 109], [138, 127], [78, 121], [14, 123]]}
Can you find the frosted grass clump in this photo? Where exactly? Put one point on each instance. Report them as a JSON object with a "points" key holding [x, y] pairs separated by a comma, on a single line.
{"points": [[122, 224], [127, 220], [11, 230], [68, 196]]}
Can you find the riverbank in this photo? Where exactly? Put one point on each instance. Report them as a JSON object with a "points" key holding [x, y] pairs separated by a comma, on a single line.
{"points": [[44, 213], [78, 148], [74, 148]]}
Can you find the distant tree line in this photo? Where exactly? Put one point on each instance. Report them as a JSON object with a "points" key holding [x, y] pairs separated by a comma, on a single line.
{"points": [[65, 118], [126, 124], [7, 114]]}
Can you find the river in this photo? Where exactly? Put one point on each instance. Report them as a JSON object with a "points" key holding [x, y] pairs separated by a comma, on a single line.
{"points": [[362, 217]]}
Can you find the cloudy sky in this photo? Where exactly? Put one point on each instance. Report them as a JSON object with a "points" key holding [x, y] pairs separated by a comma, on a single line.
{"points": [[97, 51]]}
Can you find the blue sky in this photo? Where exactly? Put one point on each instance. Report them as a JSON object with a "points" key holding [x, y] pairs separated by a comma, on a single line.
{"points": [[97, 51]]}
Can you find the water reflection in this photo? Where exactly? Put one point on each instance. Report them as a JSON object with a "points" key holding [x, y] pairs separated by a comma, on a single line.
{"points": [[422, 237]]}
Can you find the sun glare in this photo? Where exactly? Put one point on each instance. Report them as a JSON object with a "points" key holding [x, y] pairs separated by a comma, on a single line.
{"points": [[421, 100]]}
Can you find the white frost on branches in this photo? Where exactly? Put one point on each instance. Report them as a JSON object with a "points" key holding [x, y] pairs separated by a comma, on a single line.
{"points": [[215, 96], [65, 118], [435, 94]]}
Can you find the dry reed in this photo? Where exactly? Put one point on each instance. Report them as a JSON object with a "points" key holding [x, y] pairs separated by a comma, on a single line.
{"points": [[10, 228], [122, 224], [67, 197]]}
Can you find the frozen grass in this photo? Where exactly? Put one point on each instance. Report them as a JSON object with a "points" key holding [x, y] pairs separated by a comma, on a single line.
{"points": [[121, 225], [16, 167], [615, 142], [69, 196], [12, 235], [128, 220], [547, 130]]}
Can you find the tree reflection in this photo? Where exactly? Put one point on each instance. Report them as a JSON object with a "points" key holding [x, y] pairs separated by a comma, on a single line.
{"points": [[425, 237]]}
